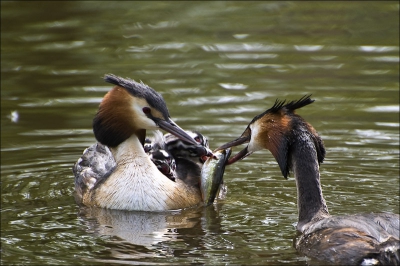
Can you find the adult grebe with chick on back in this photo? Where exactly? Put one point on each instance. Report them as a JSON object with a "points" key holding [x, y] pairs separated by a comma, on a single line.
{"points": [[117, 173]]}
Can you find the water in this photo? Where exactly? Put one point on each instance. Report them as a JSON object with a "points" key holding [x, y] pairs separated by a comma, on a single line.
{"points": [[217, 64]]}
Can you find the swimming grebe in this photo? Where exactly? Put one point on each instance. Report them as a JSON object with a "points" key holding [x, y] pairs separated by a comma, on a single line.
{"points": [[131, 181], [296, 146]]}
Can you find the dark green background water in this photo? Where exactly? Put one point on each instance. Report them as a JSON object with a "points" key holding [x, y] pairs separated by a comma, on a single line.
{"points": [[217, 64]]}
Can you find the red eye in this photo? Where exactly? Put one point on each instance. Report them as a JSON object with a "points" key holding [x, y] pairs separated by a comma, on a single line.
{"points": [[146, 110], [197, 139]]}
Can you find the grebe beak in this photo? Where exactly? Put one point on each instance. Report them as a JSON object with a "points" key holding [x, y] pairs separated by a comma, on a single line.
{"points": [[243, 153], [171, 127]]}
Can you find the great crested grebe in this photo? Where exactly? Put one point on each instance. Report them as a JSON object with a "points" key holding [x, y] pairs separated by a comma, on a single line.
{"points": [[131, 181], [295, 144]]}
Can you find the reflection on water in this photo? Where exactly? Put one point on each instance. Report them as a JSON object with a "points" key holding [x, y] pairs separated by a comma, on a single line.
{"points": [[139, 228], [153, 237], [217, 65]]}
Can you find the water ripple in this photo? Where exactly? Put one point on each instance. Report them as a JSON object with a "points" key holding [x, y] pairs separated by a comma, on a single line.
{"points": [[57, 132], [62, 102], [245, 66], [249, 56], [164, 24], [183, 47], [390, 59], [308, 48], [224, 99], [233, 86], [310, 66], [384, 109], [261, 47], [251, 47], [378, 49], [59, 45], [386, 124]]}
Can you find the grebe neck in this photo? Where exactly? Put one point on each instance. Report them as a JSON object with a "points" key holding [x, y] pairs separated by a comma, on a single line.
{"points": [[310, 201], [130, 149]]}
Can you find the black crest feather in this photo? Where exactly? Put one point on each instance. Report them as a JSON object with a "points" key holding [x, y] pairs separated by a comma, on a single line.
{"points": [[140, 90], [292, 105], [280, 105]]}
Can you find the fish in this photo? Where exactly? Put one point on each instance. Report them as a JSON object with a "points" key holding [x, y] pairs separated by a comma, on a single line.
{"points": [[212, 173]]}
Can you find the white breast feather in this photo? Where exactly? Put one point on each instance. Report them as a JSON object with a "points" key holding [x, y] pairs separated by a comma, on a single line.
{"points": [[136, 183]]}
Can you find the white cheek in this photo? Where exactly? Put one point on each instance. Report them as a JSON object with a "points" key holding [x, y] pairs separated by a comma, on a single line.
{"points": [[254, 144], [141, 120]]}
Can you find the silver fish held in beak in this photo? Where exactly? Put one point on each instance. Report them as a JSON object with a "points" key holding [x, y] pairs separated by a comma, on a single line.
{"points": [[212, 174]]}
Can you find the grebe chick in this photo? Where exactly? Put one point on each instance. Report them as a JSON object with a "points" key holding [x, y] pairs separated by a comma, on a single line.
{"points": [[181, 149], [160, 156], [164, 162], [189, 158], [95, 164], [296, 146], [134, 182]]}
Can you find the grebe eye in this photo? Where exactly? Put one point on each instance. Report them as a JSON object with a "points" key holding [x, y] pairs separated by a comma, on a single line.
{"points": [[197, 139], [146, 110]]}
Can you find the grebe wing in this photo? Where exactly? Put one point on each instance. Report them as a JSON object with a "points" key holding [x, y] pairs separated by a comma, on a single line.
{"points": [[354, 239], [95, 164], [378, 225]]}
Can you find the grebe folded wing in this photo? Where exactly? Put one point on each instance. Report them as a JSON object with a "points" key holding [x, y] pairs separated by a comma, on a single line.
{"points": [[379, 226], [361, 239], [95, 164]]}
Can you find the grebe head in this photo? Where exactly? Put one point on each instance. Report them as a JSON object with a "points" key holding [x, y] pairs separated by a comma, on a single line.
{"points": [[181, 149], [131, 108], [273, 130]]}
